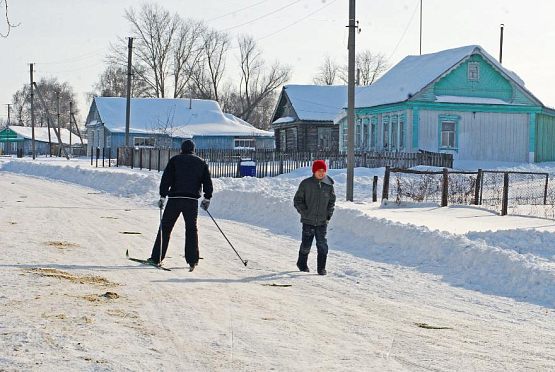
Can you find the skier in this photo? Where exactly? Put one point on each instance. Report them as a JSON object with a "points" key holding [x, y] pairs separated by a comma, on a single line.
{"points": [[315, 202], [181, 183]]}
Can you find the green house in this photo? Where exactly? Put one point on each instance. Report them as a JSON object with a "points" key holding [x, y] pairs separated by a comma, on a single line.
{"points": [[459, 101], [10, 142]]}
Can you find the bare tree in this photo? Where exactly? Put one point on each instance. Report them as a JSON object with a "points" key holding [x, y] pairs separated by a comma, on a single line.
{"points": [[207, 75], [327, 72], [48, 88], [187, 52], [9, 25], [370, 65], [153, 30], [113, 83], [258, 81]]}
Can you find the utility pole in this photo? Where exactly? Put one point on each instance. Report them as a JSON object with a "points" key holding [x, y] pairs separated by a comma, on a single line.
{"points": [[351, 104], [70, 115], [32, 115], [58, 118], [8, 126], [420, 27], [501, 44], [128, 103]]}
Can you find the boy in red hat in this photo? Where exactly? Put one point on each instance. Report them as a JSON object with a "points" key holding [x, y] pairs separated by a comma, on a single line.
{"points": [[315, 202]]}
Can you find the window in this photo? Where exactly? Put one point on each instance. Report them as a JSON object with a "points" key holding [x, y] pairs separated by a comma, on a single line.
{"points": [[473, 71], [13, 146], [358, 133], [144, 142], [98, 138], [324, 138], [386, 133], [244, 143], [292, 139], [282, 140], [92, 138], [373, 134], [394, 131], [108, 141], [345, 135], [365, 133], [401, 132], [448, 129]]}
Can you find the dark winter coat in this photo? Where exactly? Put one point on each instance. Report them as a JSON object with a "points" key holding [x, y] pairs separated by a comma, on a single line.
{"points": [[184, 175], [315, 200]]}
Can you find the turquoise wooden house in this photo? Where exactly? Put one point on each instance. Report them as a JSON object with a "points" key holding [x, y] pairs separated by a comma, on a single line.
{"points": [[166, 122], [16, 138], [459, 101]]}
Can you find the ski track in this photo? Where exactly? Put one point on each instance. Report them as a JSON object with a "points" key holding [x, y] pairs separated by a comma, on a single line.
{"points": [[221, 317]]}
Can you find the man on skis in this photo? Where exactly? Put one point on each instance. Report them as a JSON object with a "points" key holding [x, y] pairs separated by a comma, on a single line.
{"points": [[315, 202], [184, 177]]}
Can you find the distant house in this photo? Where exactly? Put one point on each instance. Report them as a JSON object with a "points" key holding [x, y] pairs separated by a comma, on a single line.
{"points": [[459, 101], [166, 122], [304, 114], [20, 138]]}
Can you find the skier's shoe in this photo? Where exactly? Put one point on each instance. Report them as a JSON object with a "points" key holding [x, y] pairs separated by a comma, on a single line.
{"points": [[192, 267], [153, 262], [322, 272], [303, 268]]}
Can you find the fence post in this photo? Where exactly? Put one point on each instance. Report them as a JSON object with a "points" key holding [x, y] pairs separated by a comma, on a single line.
{"points": [[477, 187], [97, 156], [505, 194], [238, 172], [141, 158], [385, 189], [92, 155], [132, 157], [103, 150], [149, 159], [545, 191], [117, 157], [159, 152], [280, 164], [109, 157], [375, 189], [445, 189]]}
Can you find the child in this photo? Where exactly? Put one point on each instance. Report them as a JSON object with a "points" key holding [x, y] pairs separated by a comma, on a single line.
{"points": [[315, 202]]}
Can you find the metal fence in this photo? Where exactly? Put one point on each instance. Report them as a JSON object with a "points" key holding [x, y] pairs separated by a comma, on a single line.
{"points": [[270, 163], [507, 192]]}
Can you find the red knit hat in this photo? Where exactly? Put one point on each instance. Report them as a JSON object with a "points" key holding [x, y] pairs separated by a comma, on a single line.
{"points": [[319, 164]]}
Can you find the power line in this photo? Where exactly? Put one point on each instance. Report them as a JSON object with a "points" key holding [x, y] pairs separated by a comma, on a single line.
{"points": [[236, 11], [72, 70], [265, 15], [402, 36], [74, 59], [294, 23]]}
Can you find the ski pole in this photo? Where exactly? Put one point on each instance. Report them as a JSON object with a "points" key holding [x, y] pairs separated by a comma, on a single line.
{"points": [[160, 260], [243, 261]]}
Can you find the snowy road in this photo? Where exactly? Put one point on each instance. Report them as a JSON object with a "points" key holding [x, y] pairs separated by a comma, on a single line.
{"points": [[63, 249]]}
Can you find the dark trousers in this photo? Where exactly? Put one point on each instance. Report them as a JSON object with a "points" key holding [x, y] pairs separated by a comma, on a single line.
{"points": [[309, 232], [175, 207]]}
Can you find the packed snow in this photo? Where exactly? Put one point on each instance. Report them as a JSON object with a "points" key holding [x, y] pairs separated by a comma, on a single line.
{"points": [[409, 288]]}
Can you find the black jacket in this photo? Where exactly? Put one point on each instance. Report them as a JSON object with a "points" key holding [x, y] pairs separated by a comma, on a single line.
{"points": [[315, 200], [184, 175]]}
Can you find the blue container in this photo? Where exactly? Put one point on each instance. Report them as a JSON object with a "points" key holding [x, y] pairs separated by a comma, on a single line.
{"points": [[248, 168]]}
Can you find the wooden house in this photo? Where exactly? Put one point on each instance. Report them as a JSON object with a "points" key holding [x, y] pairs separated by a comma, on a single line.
{"points": [[459, 101], [166, 122], [17, 138], [304, 114]]}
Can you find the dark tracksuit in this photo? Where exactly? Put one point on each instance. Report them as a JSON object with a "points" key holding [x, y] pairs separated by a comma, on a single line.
{"points": [[315, 201], [182, 181]]}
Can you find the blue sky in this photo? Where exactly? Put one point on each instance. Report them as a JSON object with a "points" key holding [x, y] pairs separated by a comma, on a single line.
{"points": [[69, 38]]}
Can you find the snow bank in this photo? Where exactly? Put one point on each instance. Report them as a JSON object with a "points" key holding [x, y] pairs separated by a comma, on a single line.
{"points": [[518, 264]]}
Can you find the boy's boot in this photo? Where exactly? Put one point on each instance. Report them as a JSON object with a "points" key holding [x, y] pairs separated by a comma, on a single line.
{"points": [[302, 262], [322, 264]]}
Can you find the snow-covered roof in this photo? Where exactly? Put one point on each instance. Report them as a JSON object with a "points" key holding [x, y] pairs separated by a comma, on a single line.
{"points": [[474, 100], [414, 73], [185, 117], [41, 134], [285, 119], [318, 102]]}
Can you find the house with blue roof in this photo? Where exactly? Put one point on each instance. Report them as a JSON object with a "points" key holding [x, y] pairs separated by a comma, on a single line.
{"points": [[166, 122], [459, 101], [304, 114]]}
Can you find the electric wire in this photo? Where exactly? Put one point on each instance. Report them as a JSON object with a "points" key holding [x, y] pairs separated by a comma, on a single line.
{"points": [[263, 16], [236, 11], [404, 32]]}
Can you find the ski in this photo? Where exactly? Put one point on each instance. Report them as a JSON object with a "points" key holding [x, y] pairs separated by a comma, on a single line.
{"points": [[145, 262]]}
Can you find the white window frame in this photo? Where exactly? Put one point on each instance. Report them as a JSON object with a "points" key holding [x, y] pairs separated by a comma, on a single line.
{"points": [[473, 71], [144, 142], [244, 143], [451, 135]]}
